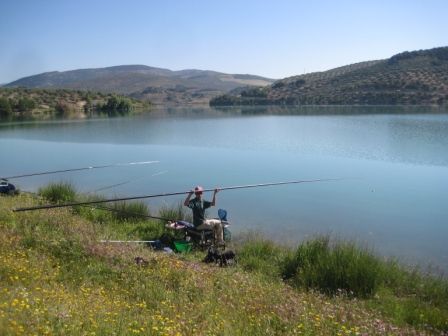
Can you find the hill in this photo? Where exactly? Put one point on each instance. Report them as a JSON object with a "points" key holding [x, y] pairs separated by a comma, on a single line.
{"points": [[160, 86], [409, 78]]}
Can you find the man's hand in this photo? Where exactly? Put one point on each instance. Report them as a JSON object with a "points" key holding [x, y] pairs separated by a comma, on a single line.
{"points": [[214, 196], [187, 200]]}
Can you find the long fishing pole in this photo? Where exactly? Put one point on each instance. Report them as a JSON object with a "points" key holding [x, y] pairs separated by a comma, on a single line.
{"points": [[126, 182], [52, 206], [78, 169], [125, 212], [127, 241], [109, 187]]}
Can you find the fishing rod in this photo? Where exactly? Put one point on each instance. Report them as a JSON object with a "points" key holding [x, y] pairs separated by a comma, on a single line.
{"points": [[78, 169], [127, 241], [109, 187], [131, 213], [126, 182], [52, 206]]}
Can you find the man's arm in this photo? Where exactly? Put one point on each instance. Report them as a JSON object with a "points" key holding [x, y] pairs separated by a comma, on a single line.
{"points": [[187, 200], [214, 197]]}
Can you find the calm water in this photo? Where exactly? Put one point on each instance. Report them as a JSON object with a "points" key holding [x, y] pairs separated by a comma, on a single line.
{"points": [[394, 197]]}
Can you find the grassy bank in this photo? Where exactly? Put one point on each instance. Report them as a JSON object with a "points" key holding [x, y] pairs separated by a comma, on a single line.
{"points": [[57, 278], [335, 268]]}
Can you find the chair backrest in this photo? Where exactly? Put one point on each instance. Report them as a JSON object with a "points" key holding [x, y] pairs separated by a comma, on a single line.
{"points": [[222, 214]]}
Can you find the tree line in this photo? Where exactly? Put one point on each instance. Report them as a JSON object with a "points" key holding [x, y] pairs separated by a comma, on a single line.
{"points": [[15, 102], [8, 105]]}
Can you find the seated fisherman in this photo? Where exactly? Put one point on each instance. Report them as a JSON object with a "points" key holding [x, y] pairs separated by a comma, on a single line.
{"points": [[198, 206]]}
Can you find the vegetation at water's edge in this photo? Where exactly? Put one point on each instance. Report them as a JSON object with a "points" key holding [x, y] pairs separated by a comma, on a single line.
{"points": [[57, 278], [40, 103], [337, 267], [60, 192]]}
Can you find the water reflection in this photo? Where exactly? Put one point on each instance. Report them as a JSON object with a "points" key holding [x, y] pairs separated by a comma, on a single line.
{"points": [[332, 110], [411, 138]]}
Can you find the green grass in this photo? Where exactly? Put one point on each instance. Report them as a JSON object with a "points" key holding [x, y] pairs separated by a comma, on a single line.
{"points": [[332, 268], [58, 278], [335, 268], [58, 192], [93, 212], [258, 254], [130, 211], [422, 298], [175, 213]]}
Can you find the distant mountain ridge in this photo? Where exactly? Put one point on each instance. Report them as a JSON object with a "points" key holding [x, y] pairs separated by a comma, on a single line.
{"points": [[144, 82], [409, 78]]}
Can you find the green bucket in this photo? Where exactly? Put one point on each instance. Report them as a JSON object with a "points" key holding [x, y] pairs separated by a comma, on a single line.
{"points": [[183, 246]]}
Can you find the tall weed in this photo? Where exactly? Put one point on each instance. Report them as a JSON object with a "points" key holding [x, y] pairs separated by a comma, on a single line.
{"points": [[334, 267], [130, 211], [58, 192]]}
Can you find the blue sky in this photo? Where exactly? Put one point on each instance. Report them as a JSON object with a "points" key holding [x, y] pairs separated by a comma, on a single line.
{"points": [[270, 38]]}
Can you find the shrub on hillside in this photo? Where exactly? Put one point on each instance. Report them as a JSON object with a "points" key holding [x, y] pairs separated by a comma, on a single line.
{"points": [[63, 108], [117, 105], [5, 107], [25, 104]]}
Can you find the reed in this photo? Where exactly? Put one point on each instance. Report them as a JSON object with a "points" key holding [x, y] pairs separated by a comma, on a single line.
{"points": [[175, 212], [130, 211], [58, 192], [260, 255], [334, 267]]}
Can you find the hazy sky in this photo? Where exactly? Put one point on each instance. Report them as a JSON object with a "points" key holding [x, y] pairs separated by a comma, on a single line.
{"points": [[276, 38]]}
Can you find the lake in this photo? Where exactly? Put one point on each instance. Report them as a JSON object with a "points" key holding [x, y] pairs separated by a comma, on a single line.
{"points": [[393, 166]]}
